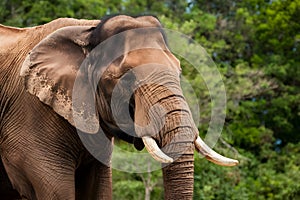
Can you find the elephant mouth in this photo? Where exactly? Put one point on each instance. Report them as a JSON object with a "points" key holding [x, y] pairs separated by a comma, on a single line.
{"points": [[125, 133]]}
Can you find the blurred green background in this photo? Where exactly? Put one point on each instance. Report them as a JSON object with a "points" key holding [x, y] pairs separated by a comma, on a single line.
{"points": [[256, 47]]}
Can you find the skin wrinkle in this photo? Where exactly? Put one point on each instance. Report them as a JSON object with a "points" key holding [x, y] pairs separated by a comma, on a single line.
{"points": [[174, 179], [173, 176], [11, 81], [155, 95], [44, 155], [60, 143], [12, 92], [163, 134]]}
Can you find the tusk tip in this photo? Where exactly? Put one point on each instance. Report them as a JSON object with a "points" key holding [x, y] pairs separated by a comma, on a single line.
{"points": [[213, 156], [227, 162], [170, 160], [236, 162], [233, 163]]}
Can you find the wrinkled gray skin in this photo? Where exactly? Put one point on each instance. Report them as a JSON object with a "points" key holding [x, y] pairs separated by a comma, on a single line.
{"points": [[41, 152], [39, 146]]}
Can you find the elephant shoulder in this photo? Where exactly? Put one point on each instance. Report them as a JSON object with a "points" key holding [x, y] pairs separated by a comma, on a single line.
{"points": [[14, 37], [9, 37], [64, 22]]}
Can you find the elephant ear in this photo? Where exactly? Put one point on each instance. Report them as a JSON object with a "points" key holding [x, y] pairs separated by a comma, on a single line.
{"points": [[52, 68]]}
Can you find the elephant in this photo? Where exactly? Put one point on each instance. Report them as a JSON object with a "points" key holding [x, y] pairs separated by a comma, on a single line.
{"points": [[41, 128]]}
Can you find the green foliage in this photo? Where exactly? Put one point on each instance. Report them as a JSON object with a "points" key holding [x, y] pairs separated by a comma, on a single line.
{"points": [[273, 176], [29, 13], [123, 190], [130, 186], [256, 46]]}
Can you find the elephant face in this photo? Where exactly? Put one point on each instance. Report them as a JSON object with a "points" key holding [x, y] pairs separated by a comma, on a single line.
{"points": [[127, 63], [141, 58]]}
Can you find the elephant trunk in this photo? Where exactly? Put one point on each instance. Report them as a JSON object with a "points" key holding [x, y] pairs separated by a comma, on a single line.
{"points": [[178, 143], [179, 178], [165, 117], [179, 175], [164, 121]]}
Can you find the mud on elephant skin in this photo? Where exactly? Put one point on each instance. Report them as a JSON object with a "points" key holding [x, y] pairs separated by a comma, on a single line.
{"points": [[41, 121]]}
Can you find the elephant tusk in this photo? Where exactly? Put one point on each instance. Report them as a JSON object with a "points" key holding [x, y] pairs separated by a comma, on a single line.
{"points": [[213, 156], [155, 151]]}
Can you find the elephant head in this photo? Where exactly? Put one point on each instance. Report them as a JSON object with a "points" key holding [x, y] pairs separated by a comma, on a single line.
{"points": [[127, 84]]}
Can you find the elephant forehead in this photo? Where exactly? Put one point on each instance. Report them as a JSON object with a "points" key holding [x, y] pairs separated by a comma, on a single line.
{"points": [[146, 62], [121, 23]]}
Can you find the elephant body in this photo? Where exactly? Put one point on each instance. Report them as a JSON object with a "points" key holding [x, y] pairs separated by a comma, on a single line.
{"points": [[41, 152], [41, 145]]}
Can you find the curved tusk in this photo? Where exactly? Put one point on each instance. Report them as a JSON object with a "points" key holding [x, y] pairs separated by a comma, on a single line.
{"points": [[155, 151], [213, 156]]}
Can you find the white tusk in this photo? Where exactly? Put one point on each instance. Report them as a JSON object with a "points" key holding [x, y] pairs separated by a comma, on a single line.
{"points": [[155, 151], [213, 156]]}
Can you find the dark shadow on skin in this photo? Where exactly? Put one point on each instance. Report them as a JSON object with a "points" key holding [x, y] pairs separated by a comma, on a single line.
{"points": [[6, 190], [117, 132]]}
